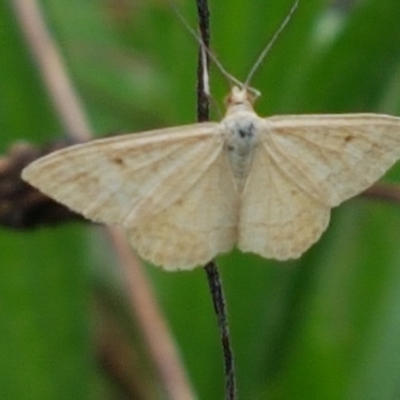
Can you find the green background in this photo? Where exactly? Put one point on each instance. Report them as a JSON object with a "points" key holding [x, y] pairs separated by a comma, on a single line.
{"points": [[324, 327]]}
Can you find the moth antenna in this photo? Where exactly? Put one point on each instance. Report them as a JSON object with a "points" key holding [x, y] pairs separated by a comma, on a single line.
{"points": [[268, 47], [230, 78]]}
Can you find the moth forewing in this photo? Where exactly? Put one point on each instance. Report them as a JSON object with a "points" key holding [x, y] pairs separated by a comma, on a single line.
{"points": [[334, 157], [105, 179]]}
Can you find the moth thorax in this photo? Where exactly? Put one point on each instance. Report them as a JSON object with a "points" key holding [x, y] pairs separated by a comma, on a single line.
{"points": [[240, 141]]}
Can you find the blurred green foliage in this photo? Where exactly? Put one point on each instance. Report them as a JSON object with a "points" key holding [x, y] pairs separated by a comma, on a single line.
{"points": [[324, 327]]}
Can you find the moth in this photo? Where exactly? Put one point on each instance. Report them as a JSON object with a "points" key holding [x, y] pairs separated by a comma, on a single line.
{"points": [[186, 194]]}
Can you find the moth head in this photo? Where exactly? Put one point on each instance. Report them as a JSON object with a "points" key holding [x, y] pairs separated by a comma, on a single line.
{"points": [[241, 97]]}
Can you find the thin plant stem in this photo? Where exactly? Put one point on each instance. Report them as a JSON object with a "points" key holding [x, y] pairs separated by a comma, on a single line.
{"points": [[217, 294], [214, 280]]}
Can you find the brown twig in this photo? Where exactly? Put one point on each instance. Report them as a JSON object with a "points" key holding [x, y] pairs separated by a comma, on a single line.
{"points": [[383, 191], [124, 365], [70, 111], [21, 205], [158, 339]]}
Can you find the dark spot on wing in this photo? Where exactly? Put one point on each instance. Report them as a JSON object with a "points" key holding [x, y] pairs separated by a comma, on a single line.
{"points": [[118, 161], [348, 138]]}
